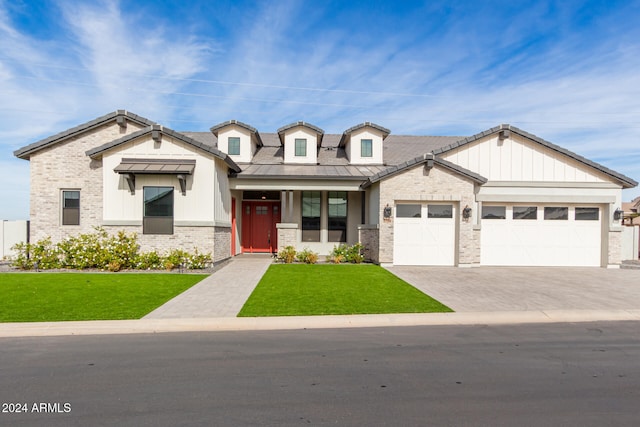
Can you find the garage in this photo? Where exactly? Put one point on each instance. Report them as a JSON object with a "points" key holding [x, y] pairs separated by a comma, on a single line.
{"points": [[541, 235], [424, 234]]}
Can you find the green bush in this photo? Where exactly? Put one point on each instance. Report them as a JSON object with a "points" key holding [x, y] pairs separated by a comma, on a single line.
{"points": [[102, 251], [307, 256], [343, 253], [287, 255]]}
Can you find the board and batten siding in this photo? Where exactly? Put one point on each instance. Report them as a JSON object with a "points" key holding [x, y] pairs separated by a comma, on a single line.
{"points": [[518, 159], [122, 206]]}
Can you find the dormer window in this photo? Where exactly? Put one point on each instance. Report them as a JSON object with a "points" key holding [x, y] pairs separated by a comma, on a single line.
{"points": [[301, 147], [363, 144], [366, 148], [301, 142], [237, 139], [234, 146]]}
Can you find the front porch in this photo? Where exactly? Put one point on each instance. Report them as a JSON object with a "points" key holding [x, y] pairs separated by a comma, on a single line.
{"points": [[265, 221]]}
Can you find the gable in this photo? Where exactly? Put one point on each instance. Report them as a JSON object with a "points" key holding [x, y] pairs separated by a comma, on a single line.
{"points": [[514, 157]]}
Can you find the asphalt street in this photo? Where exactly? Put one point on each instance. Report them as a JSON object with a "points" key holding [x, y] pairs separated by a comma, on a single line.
{"points": [[585, 374]]}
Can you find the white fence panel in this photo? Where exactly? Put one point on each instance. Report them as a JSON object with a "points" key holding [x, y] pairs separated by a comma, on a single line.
{"points": [[11, 233], [630, 242]]}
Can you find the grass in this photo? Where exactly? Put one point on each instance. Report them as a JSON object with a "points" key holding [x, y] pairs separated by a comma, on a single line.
{"points": [[321, 289], [43, 297]]}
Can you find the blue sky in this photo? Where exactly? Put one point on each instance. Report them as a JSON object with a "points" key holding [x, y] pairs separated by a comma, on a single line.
{"points": [[567, 71]]}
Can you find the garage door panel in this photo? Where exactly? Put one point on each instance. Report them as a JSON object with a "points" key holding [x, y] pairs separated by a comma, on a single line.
{"points": [[424, 240], [540, 242]]}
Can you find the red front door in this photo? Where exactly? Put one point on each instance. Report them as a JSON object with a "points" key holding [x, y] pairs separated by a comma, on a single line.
{"points": [[259, 232]]}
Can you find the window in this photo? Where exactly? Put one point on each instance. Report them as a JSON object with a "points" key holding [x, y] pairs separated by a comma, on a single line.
{"points": [[366, 148], [337, 209], [587, 214], [408, 211], [311, 216], [494, 212], [262, 210], [234, 145], [158, 210], [556, 213], [301, 147], [525, 212], [439, 211], [71, 207]]}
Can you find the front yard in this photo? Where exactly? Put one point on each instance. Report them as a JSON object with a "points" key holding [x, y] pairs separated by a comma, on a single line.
{"points": [[321, 289], [43, 297]]}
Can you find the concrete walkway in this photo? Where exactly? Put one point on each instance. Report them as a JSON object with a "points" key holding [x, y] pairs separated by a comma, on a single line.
{"points": [[222, 294]]}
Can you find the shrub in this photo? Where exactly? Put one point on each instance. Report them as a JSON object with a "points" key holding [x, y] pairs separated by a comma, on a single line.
{"points": [[307, 256], [287, 255], [338, 254], [344, 253], [354, 254], [42, 255], [103, 251]]}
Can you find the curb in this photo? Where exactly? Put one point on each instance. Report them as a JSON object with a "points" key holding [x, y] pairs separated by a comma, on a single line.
{"points": [[229, 324]]}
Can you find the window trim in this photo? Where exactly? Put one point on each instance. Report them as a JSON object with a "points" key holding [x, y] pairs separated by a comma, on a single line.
{"points": [[236, 140]]}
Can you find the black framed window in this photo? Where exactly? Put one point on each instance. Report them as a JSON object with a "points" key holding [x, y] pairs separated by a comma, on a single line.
{"points": [[337, 208], [311, 201], [525, 212], [158, 210], [234, 145], [556, 213], [71, 207], [494, 212]]}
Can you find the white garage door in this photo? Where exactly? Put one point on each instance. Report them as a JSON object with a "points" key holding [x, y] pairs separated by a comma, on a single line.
{"points": [[424, 234], [541, 235]]}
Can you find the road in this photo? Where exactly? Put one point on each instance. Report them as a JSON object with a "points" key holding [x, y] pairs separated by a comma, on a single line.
{"points": [[585, 374]]}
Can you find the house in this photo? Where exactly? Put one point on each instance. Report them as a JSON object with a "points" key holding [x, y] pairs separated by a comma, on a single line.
{"points": [[500, 197]]}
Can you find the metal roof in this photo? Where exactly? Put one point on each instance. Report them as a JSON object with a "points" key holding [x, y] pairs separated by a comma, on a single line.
{"points": [[156, 166]]}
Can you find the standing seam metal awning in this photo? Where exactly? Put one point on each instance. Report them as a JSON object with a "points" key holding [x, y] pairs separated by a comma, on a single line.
{"points": [[156, 166]]}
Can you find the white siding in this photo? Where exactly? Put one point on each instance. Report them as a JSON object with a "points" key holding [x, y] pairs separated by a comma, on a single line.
{"points": [[247, 146], [290, 137], [120, 205], [519, 159], [222, 195], [353, 147]]}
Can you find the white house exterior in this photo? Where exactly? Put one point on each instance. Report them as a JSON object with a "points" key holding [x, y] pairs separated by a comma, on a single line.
{"points": [[501, 197]]}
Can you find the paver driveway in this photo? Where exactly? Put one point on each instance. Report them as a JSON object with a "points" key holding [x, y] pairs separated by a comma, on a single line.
{"points": [[526, 288]]}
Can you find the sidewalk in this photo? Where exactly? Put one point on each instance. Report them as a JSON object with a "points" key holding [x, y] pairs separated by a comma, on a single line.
{"points": [[147, 326]]}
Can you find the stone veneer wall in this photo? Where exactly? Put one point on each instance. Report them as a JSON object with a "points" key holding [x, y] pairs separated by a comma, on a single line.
{"points": [[436, 184], [287, 235], [368, 236], [66, 166], [615, 247], [213, 240]]}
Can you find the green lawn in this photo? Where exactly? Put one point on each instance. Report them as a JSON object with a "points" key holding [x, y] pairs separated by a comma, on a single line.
{"points": [[40, 297], [319, 289]]}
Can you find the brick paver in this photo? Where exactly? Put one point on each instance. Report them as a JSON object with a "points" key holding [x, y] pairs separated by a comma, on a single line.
{"points": [[220, 295]]}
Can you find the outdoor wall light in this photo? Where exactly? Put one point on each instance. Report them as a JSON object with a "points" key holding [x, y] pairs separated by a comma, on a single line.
{"points": [[617, 214], [466, 212]]}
